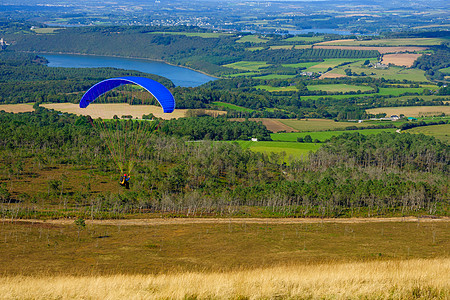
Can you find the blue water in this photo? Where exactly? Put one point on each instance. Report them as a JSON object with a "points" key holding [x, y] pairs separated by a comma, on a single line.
{"points": [[178, 75]]}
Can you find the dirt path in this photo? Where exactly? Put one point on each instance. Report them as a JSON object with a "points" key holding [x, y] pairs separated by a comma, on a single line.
{"points": [[186, 221]]}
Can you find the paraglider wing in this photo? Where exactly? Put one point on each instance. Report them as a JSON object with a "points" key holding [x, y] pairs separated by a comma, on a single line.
{"points": [[160, 92]]}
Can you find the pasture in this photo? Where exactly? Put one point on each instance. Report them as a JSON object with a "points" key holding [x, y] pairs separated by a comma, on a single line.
{"points": [[247, 65], [441, 132], [306, 39], [323, 135], [232, 106], [276, 88], [252, 39], [274, 76], [335, 88], [412, 111], [392, 73], [294, 150]]}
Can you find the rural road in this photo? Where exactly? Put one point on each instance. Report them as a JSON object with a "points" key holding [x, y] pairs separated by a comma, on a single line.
{"points": [[185, 221]]}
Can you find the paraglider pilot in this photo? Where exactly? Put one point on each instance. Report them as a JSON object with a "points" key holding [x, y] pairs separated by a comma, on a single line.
{"points": [[125, 181]]}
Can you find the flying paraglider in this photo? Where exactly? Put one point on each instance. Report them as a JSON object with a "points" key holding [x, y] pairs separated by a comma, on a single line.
{"points": [[125, 139]]}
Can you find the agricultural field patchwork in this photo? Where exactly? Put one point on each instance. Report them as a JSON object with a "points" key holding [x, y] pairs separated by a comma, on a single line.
{"points": [[247, 65]]}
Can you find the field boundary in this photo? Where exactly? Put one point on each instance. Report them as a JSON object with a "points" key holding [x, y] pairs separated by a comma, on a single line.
{"points": [[186, 221]]}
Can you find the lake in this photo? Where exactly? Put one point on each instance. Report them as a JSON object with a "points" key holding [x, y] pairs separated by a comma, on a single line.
{"points": [[178, 75]]}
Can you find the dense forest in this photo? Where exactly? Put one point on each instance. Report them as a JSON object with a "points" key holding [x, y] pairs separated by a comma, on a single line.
{"points": [[351, 175]]}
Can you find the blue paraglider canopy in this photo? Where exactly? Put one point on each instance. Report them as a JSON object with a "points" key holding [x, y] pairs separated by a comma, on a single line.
{"points": [[160, 92]]}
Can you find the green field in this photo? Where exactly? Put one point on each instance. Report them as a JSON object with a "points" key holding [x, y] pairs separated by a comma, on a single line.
{"points": [[241, 74], [398, 91], [296, 150], [232, 106], [274, 76], [301, 65], [306, 39], [281, 47], [392, 42], [334, 88], [276, 89], [319, 124], [247, 65], [393, 73], [323, 135], [441, 132], [332, 63], [252, 39], [445, 71], [46, 30]]}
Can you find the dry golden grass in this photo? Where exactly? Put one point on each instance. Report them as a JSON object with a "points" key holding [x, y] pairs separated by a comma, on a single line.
{"points": [[332, 75], [107, 111], [411, 111], [400, 59], [404, 279], [16, 108]]}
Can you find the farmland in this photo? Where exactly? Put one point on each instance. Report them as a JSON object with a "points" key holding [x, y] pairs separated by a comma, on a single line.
{"points": [[387, 42], [343, 88], [412, 111], [441, 132], [247, 65], [382, 50], [294, 150], [323, 135], [400, 59]]}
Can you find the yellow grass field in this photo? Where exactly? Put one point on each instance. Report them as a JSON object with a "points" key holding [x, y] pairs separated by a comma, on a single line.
{"points": [[16, 108], [382, 50], [331, 75], [411, 111], [391, 279], [107, 111], [400, 59]]}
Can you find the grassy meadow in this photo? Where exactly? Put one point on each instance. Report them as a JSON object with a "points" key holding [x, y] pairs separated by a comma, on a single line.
{"points": [[412, 111], [408, 279], [225, 259], [323, 135], [232, 106], [247, 65], [441, 132], [294, 150], [390, 42], [252, 39], [343, 88]]}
